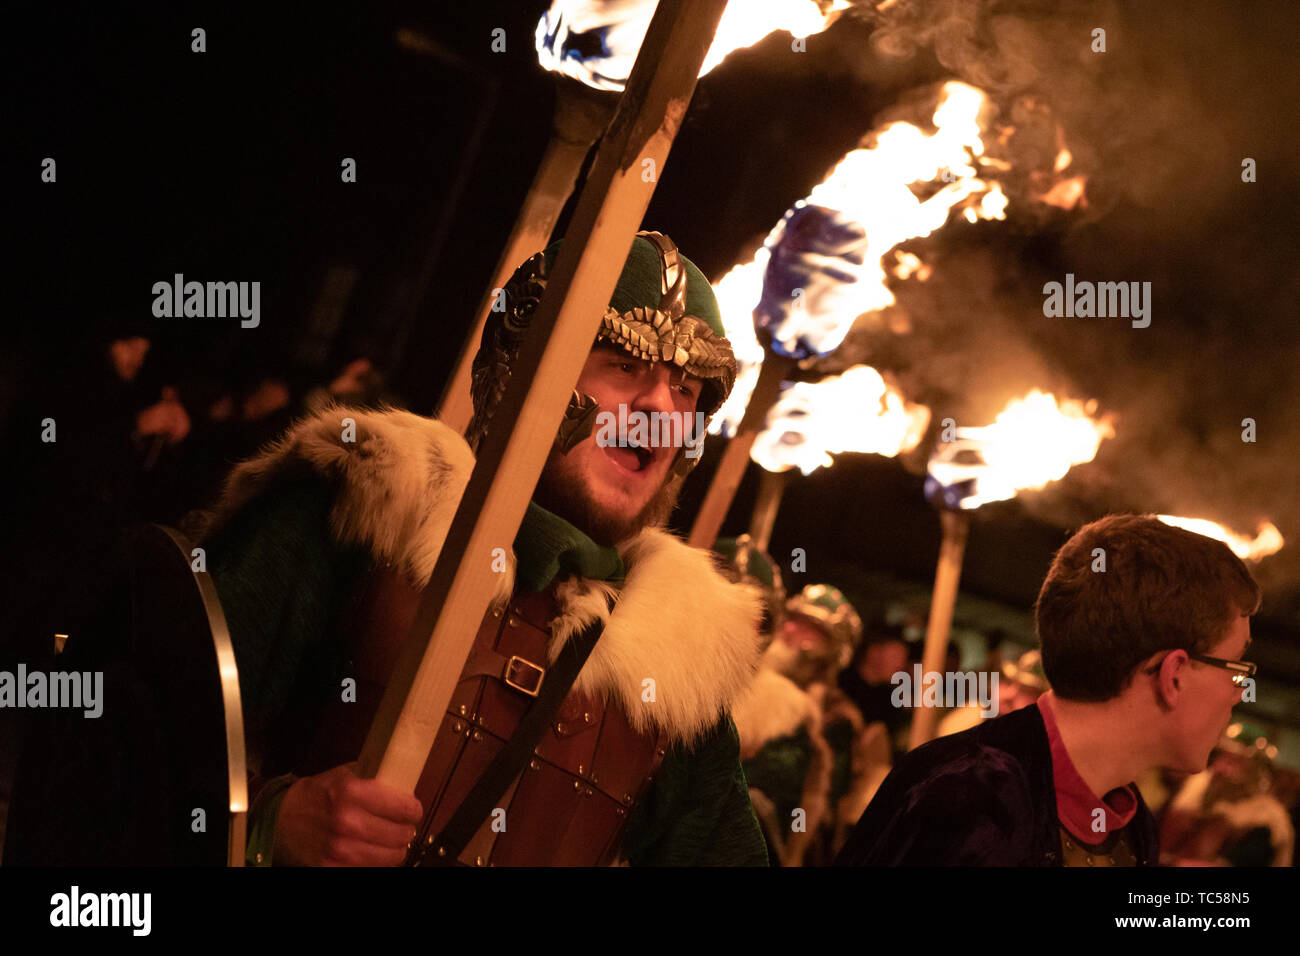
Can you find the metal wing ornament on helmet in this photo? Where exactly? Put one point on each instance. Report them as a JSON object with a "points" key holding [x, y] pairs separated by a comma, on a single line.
{"points": [[503, 334]]}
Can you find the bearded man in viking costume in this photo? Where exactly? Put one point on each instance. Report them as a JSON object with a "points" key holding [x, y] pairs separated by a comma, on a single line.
{"points": [[321, 544]]}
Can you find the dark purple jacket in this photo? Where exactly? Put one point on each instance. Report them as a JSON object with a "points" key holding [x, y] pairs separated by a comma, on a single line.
{"points": [[983, 797]]}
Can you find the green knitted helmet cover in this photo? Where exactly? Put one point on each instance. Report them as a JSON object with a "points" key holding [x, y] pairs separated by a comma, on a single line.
{"points": [[638, 284]]}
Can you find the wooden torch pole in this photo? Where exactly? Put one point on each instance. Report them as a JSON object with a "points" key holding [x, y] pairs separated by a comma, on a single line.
{"points": [[956, 527], [608, 212], [771, 487], [731, 468], [580, 115]]}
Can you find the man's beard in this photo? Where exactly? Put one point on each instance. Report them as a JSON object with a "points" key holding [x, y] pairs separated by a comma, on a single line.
{"points": [[569, 498]]}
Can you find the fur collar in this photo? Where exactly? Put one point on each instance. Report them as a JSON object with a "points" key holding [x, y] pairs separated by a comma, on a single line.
{"points": [[681, 641], [772, 707]]}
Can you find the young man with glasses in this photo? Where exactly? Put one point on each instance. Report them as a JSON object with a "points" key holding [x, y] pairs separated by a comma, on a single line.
{"points": [[1143, 629]]}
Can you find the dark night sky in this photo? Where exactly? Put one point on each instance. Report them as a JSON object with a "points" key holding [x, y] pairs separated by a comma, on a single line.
{"points": [[225, 165]]}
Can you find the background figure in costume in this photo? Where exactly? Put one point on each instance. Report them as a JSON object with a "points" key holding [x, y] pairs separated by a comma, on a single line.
{"points": [[1227, 815], [810, 761], [1022, 683]]}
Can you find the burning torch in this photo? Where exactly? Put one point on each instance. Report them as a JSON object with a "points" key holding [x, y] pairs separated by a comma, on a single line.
{"points": [[857, 411], [1033, 441], [823, 266]]}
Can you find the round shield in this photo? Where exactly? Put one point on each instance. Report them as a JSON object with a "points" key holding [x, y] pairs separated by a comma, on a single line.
{"points": [[148, 766]]}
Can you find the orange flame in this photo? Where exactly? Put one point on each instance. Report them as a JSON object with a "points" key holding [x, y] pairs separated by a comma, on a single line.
{"points": [[872, 186], [812, 421], [910, 265], [1066, 194], [737, 292], [1268, 540], [1034, 440], [744, 24]]}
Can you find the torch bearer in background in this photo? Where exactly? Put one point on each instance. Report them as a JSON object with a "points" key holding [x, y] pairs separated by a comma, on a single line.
{"points": [[1034, 441], [590, 46]]}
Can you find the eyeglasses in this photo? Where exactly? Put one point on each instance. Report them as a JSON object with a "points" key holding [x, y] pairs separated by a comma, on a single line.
{"points": [[1240, 669]]}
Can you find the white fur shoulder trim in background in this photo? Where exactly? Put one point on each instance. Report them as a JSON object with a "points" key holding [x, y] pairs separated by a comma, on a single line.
{"points": [[773, 706]]}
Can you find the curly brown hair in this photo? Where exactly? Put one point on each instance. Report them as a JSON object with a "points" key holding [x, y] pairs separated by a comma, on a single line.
{"points": [[1162, 588]]}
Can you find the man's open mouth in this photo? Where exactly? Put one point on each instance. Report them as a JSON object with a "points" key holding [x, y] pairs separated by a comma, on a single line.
{"points": [[633, 458]]}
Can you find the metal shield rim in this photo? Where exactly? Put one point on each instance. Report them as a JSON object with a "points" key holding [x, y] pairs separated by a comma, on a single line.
{"points": [[228, 671]]}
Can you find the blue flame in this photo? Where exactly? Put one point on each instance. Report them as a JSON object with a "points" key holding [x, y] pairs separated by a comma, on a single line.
{"points": [[594, 43], [953, 474], [816, 254]]}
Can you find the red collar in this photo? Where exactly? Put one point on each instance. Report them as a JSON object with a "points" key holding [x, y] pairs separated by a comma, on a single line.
{"points": [[1076, 805]]}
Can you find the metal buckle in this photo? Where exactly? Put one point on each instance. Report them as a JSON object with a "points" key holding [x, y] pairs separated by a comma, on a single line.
{"points": [[537, 684]]}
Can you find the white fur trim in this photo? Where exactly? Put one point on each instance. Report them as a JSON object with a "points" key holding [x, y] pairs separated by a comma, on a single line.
{"points": [[678, 623], [398, 484], [773, 706]]}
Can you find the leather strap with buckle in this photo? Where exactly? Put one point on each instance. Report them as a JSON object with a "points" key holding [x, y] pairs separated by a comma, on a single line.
{"points": [[444, 848], [533, 674], [514, 671]]}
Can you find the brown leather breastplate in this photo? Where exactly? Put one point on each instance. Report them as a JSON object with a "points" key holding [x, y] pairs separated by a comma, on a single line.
{"points": [[571, 803]]}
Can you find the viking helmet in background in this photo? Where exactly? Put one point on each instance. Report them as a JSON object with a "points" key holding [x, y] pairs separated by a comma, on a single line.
{"points": [[827, 610], [1027, 671], [746, 563]]}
